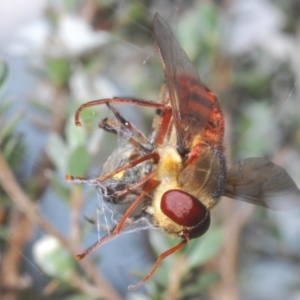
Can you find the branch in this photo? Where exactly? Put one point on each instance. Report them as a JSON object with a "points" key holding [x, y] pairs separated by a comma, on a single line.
{"points": [[19, 197]]}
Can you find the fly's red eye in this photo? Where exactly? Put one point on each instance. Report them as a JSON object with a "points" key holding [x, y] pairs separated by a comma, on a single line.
{"points": [[186, 210]]}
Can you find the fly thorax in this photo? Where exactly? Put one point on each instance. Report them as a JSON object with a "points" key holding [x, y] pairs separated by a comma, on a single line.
{"points": [[167, 172], [203, 176], [169, 164]]}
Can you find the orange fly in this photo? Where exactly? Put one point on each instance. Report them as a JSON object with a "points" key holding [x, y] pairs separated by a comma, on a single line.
{"points": [[179, 173]]}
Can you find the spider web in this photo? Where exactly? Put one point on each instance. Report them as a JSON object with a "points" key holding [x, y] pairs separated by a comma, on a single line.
{"points": [[109, 215]]}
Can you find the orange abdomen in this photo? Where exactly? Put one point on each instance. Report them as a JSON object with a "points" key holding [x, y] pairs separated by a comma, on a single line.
{"points": [[201, 111]]}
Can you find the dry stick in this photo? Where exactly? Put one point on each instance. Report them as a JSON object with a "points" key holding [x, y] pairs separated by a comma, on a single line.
{"points": [[12, 283], [76, 206], [21, 226], [176, 273], [76, 281], [236, 218], [227, 287], [57, 125], [18, 196]]}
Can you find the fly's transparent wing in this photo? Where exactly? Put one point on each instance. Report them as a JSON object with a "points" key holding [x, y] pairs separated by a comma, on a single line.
{"points": [[191, 100], [260, 181]]}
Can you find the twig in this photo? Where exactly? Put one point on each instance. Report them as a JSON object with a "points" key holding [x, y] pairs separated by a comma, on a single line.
{"points": [[176, 274], [76, 282], [234, 224], [57, 124], [234, 220], [11, 281], [22, 201], [76, 205]]}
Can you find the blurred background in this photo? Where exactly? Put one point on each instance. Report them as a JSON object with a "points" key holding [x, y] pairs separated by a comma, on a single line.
{"points": [[56, 55]]}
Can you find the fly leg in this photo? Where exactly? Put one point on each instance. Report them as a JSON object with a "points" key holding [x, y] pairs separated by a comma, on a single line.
{"points": [[125, 130], [150, 185], [129, 127], [153, 155], [118, 100], [161, 257]]}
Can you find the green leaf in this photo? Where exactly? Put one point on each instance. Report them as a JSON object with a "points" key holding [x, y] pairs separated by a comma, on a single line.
{"points": [[54, 259], [209, 16], [136, 11], [5, 105], [57, 152], [79, 297], [71, 4], [90, 117], [41, 106], [252, 81], [3, 77], [62, 191], [12, 149], [4, 232], [159, 241], [76, 136], [10, 126], [58, 71], [79, 162], [137, 296], [204, 249], [204, 281]]}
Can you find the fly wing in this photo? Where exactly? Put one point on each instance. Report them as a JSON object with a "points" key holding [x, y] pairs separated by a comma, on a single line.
{"points": [[190, 99], [260, 181]]}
